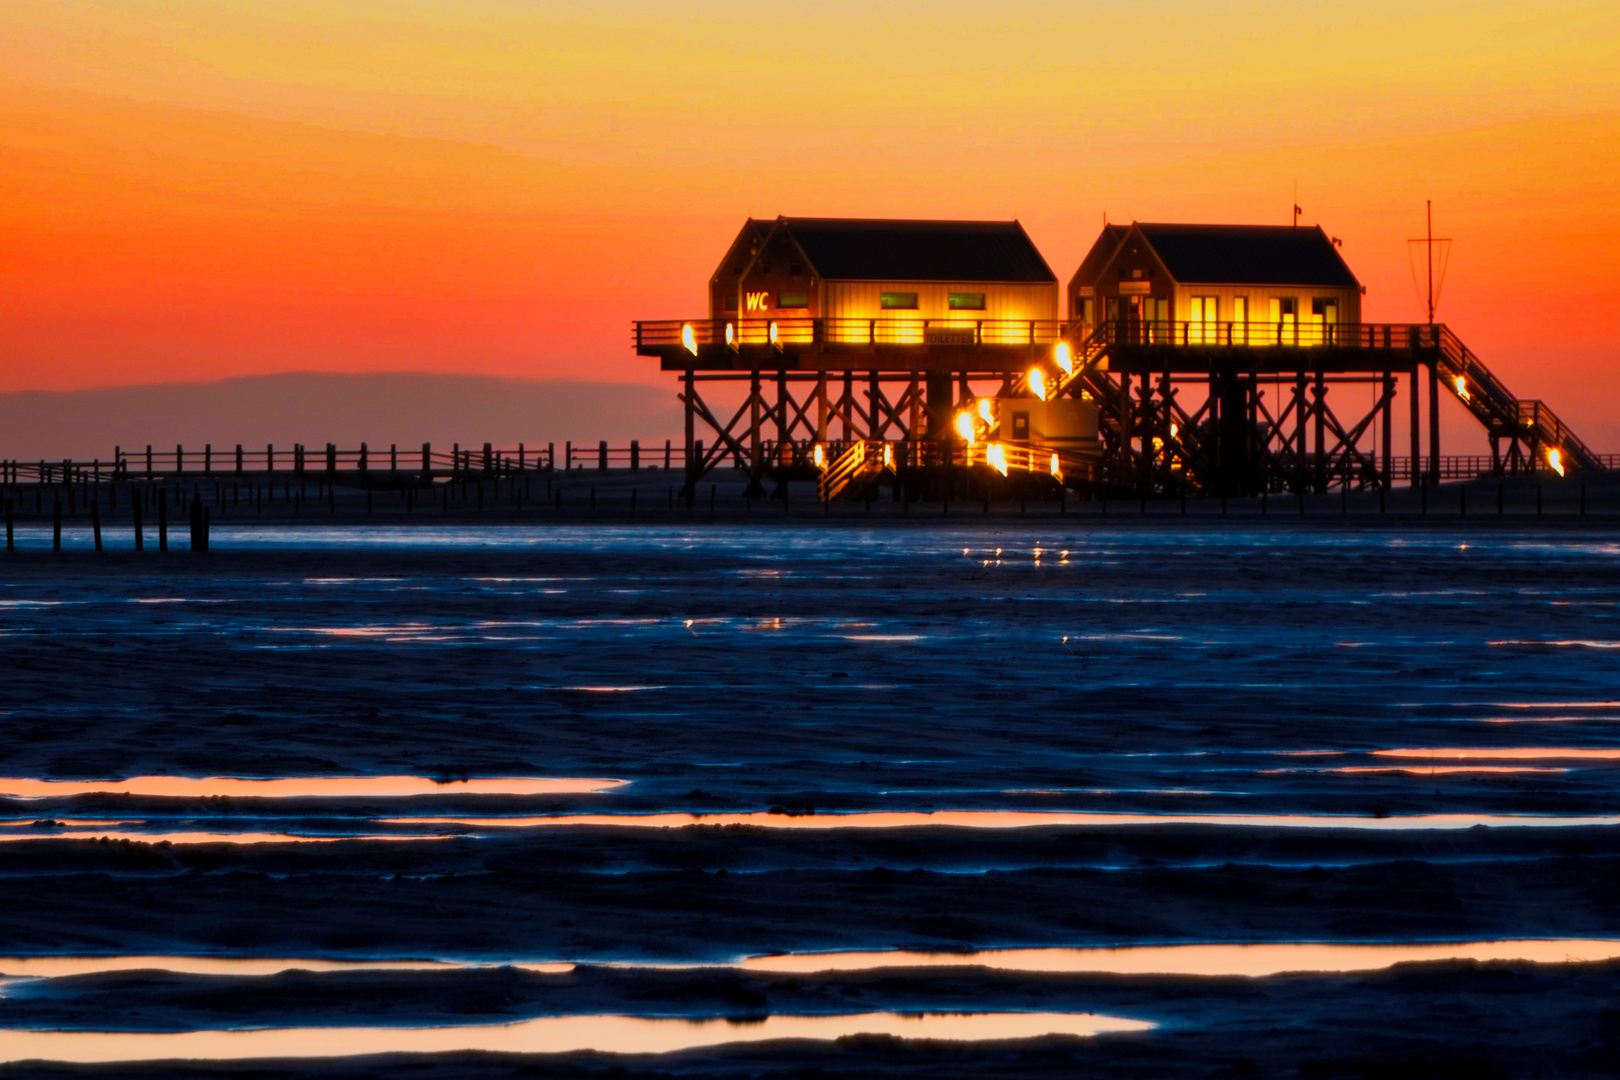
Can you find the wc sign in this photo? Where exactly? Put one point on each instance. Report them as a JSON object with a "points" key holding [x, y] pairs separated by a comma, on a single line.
{"points": [[755, 301]]}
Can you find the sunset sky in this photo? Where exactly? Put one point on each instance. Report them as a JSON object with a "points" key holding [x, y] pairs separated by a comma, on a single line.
{"points": [[200, 190]]}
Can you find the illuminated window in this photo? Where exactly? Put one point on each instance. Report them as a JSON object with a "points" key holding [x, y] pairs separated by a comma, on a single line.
{"points": [[967, 301], [793, 300], [897, 301], [1240, 320], [1201, 316]]}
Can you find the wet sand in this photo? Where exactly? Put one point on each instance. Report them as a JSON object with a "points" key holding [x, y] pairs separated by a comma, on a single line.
{"points": [[778, 676]]}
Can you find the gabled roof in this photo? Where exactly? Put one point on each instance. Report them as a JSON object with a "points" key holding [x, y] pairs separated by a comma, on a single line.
{"points": [[1249, 255], [1102, 250], [878, 249]]}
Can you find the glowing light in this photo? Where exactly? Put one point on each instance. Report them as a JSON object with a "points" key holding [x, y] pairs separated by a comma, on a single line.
{"points": [[996, 458], [1555, 458], [773, 334], [986, 411], [1037, 382], [1063, 357], [688, 338], [1462, 388], [1174, 430], [820, 456], [964, 427], [1057, 471], [731, 334], [888, 456]]}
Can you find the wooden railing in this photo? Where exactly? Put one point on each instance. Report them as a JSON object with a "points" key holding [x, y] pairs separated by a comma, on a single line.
{"points": [[382, 463]]}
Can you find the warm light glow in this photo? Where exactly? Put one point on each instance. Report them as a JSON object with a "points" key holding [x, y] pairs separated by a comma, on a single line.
{"points": [[689, 339], [820, 456], [1056, 468], [1174, 430], [996, 458], [964, 426], [1555, 458], [1462, 388], [888, 456], [773, 334], [1063, 358], [731, 334], [986, 411], [1037, 382]]}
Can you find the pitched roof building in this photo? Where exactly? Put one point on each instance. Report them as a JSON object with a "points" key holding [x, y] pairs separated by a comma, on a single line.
{"points": [[1288, 279], [897, 270]]}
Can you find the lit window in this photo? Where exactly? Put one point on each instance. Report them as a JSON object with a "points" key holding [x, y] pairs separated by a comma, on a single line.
{"points": [[966, 301], [793, 300], [897, 301]]}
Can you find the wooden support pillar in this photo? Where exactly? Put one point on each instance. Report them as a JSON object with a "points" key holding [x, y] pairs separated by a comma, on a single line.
{"points": [[821, 407], [756, 450], [1389, 436], [1301, 412], [693, 466], [874, 409], [1417, 434], [784, 432], [847, 403], [1434, 421], [1320, 394], [1145, 427]]}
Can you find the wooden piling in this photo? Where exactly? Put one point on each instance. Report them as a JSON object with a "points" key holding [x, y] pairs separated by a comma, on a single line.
{"points": [[95, 521], [163, 522], [56, 519], [11, 536], [135, 505]]}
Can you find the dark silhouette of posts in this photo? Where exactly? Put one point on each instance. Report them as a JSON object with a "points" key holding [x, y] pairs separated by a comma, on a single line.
{"points": [[135, 504], [163, 521], [56, 522], [95, 520], [11, 536]]}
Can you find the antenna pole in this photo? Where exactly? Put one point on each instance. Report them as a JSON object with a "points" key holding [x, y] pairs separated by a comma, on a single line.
{"points": [[1428, 205]]}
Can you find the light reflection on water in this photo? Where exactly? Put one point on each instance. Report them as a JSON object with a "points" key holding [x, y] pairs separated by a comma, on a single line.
{"points": [[545, 1035], [1011, 819], [1258, 960], [297, 787]]}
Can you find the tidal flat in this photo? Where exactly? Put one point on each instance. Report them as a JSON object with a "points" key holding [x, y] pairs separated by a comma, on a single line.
{"points": [[786, 740]]}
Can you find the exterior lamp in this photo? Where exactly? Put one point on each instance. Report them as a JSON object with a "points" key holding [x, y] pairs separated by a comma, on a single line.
{"points": [[888, 456], [1037, 382], [985, 411], [731, 334], [688, 338], [1462, 388], [996, 458], [819, 455], [1063, 358], [773, 334], [1555, 458], [964, 426], [1056, 468]]}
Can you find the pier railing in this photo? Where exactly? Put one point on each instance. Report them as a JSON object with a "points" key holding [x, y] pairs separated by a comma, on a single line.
{"points": [[381, 463], [390, 465]]}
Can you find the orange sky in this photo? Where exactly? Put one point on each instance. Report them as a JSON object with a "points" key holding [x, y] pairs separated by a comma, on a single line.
{"points": [[194, 191]]}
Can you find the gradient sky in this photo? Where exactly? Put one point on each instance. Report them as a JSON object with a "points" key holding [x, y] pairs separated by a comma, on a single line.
{"points": [[200, 190]]}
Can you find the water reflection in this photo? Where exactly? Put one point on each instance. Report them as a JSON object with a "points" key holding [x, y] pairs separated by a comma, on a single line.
{"points": [[56, 967], [1511, 753], [1009, 819], [1249, 960], [545, 1035], [298, 787]]}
